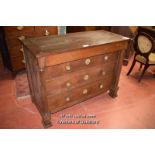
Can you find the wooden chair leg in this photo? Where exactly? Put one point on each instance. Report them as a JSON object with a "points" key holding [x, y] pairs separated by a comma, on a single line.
{"points": [[133, 64], [140, 66], [145, 68]]}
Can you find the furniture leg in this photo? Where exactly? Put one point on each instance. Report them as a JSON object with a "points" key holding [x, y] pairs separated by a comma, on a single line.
{"points": [[114, 88], [46, 120], [140, 66], [133, 64], [113, 92], [145, 68]]}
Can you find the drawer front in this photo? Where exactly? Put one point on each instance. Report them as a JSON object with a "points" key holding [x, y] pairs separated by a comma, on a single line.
{"points": [[17, 63], [15, 41], [74, 80], [45, 30], [16, 51], [71, 97], [82, 64], [13, 31], [14, 45]]}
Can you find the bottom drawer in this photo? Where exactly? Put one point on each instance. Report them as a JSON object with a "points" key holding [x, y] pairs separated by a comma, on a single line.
{"points": [[69, 98]]}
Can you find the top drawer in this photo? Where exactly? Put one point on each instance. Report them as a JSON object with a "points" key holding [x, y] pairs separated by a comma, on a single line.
{"points": [[45, 30], [13, 31], [73, 66]]}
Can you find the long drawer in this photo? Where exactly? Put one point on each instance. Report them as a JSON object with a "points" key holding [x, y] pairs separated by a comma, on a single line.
{"points": [[14, 31], [17, 63], [45, 30], [16, 51], [77, 65], [80, 94], [76, 79]]}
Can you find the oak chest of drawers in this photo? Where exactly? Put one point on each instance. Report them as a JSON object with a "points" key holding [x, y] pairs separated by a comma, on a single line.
{"points": [[68, 69], [13, 35]]}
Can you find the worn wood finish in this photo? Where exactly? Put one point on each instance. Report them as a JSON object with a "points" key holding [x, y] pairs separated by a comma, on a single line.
{"points": [[76, 79], [68, 69], [77, 95], [80, 64]]}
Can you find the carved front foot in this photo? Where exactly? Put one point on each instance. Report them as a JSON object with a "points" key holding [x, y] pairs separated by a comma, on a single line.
{"points": [[46, 120], [113, 92]]}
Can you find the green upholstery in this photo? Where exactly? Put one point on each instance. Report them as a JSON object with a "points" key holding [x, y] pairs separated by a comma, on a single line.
{"points": [[143, 59]]}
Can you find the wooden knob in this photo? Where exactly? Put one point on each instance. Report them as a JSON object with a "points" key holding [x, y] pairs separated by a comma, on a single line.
{"points": [[21, 49], [67, 99], [46, 33], [106, 58], [21, 37], [85, 91], [20, 28], [68, 84], [103, 73], [23, 61], [87, 61], [101, 86], [68, 68], [86, 77]]}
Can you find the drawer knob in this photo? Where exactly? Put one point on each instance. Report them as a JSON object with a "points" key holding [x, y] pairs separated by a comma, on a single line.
{"points": [[85, 91], [86, 77], [21, 49], [21, 37], [87, 61], [68, 84], [20, 28], [23, 61], [106, 57], [67, 99], [68, 68], [46, 32], [103, 73], [101, 86]]}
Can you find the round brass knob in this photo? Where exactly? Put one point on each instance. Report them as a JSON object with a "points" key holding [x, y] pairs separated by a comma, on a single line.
{"points": [[20, 28], [68, 68], [106, 58], [101, 86], [67, 99], [103, 73], [21, 37], [85, 91], [68, 84], [87, 61], [86, 77]]}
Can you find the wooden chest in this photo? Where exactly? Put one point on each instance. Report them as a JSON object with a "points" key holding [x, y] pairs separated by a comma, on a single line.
{"points": [[68, 69], [13, 35]]}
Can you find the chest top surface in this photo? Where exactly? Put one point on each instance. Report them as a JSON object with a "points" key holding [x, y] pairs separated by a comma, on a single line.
{"points": [[43, 46]]}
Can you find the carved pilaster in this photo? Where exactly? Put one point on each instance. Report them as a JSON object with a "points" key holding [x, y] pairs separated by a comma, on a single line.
{"points": [[117, 70]]}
